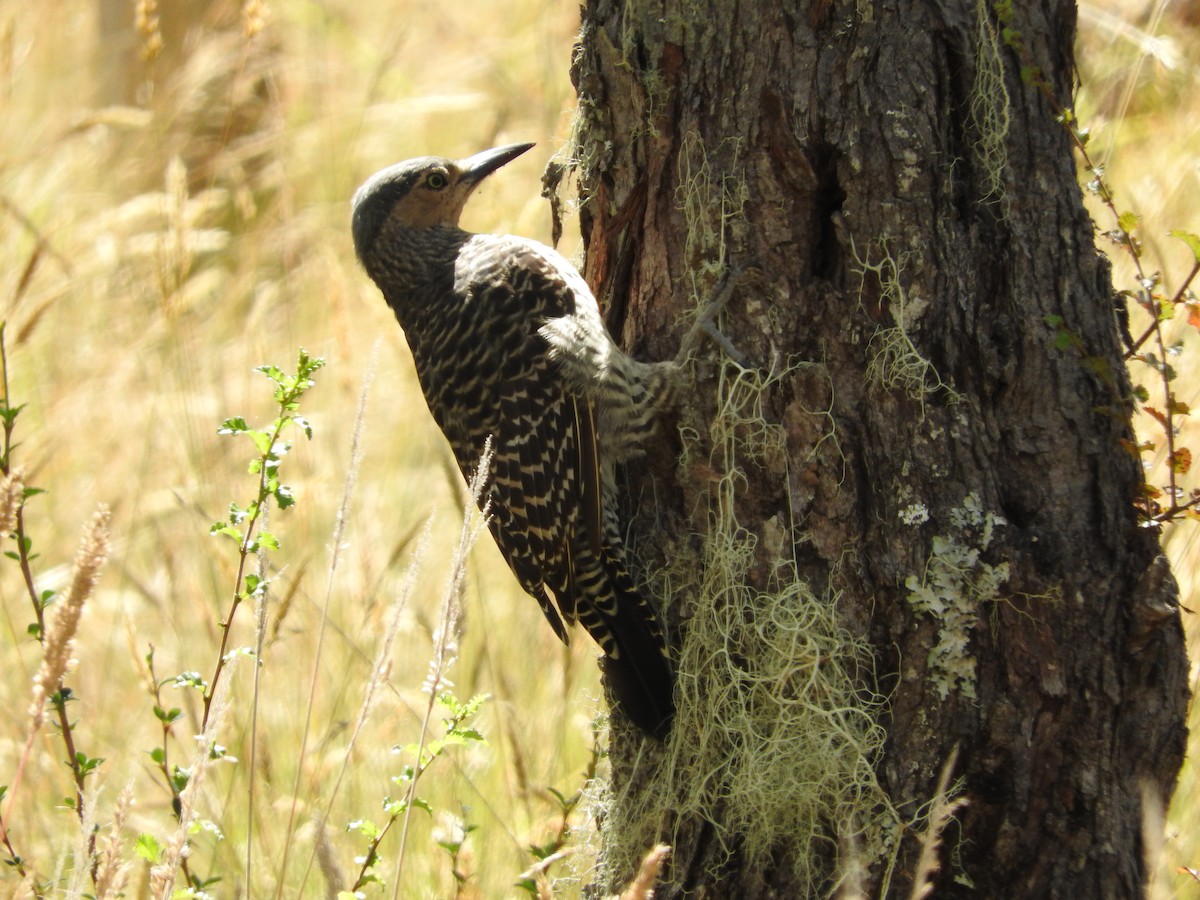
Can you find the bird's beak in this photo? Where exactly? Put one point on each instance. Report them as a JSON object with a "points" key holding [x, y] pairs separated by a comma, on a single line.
{"points": [[476, 168]]}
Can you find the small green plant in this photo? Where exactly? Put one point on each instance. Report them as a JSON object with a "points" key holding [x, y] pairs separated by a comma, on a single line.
{"points": [[452, 837], [457, 720], [458, 731], [247, 526], [533, 880]]}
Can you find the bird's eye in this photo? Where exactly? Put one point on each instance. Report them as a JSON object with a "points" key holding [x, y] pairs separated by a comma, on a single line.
{"points": [[436, 181]]}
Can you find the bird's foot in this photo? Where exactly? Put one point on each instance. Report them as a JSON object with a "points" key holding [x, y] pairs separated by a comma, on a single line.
{"points": [[705, 325]]}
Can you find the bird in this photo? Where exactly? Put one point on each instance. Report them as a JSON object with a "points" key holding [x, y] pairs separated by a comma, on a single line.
{"points": [[510, 348]]}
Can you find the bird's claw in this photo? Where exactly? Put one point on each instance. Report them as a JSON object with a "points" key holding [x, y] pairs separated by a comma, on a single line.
{"points": [[706, 322]]}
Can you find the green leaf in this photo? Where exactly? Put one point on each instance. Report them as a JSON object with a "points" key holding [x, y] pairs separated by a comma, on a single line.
{"points": [[167, 717], [283, 496], [1192, 240], [158, 755], [466, 736], [306, 364], [255, 585], [235, 425], [275, 373], [266, 541], [541, 851], [227, 530], [148, 848], [1128, 221], [460, 712], [189, 679], [262, 441], [86, 764], [9, 413], [365, 827]]}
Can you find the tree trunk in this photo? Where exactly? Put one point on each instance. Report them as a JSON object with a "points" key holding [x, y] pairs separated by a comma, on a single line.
{"points": [[904, 541]]}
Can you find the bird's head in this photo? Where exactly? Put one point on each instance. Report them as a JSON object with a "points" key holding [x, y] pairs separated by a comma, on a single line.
{"points": [[422, 193]]}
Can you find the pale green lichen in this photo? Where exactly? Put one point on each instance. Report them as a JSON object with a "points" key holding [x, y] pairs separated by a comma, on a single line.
{"points": [[775, 738], [953, 588], [990, 105], [914, 514], [895, 363]]}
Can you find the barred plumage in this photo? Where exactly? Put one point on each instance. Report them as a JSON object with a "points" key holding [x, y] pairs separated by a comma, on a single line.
{"points": [[509, 343]]}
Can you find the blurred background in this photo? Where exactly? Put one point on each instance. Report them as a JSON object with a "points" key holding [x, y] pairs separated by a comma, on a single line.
{"points": [[174, 192]]}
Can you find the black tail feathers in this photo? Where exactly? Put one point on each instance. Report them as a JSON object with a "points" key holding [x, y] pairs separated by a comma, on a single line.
{"points": [[603, 598], [639, 674]]}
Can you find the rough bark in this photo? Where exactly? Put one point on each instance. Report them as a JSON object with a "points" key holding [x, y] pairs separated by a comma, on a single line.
{"points": [[912, 453]]}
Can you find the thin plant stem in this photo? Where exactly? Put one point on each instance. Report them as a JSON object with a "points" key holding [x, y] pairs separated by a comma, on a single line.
{"points": [[339, 533]]}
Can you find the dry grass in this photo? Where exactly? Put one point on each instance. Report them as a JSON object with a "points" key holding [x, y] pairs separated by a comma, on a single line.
{"points": [[154, 253]]}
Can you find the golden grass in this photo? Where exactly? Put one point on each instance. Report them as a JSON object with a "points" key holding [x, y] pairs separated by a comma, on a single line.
{"points": [[153, 254], [175, 245]]}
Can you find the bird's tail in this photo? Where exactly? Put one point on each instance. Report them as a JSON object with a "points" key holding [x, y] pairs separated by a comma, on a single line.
{"points": [[636, 665]]}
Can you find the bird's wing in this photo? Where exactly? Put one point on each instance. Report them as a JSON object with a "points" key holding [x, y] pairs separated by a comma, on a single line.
{"points": [[546, 490], [546, 472]]}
